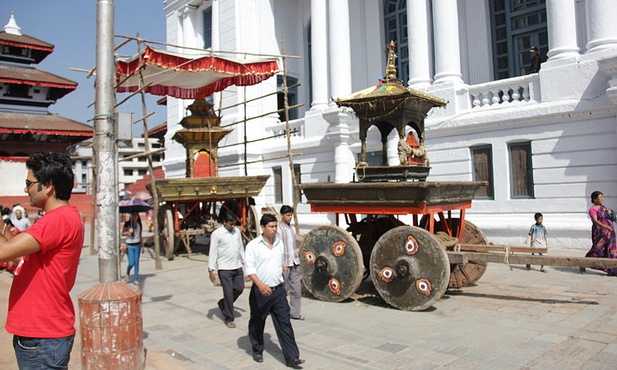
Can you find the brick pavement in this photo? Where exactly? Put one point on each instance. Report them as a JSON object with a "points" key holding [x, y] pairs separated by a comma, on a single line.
{"points": [[511, 319]]}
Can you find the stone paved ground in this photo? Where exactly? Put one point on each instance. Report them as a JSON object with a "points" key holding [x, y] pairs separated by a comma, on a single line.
{"points": [[511, 319]]}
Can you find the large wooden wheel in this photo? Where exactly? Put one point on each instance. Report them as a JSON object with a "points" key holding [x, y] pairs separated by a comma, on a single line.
{"points": [[331, 263], [410, 268], [167, 233], [467, 274], [252, 225]]}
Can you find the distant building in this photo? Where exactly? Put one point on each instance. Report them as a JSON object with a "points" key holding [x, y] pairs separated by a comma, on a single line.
{"points": [[129, 171], [26, 125], [544, 141]]}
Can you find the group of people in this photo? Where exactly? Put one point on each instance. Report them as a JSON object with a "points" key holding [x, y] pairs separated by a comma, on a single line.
{"points": [[603, 244], [41, 313], [271, 262], [18, 218]]}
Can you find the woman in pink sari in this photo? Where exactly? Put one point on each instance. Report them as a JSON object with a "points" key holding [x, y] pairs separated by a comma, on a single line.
{"points": [[602, 231]]}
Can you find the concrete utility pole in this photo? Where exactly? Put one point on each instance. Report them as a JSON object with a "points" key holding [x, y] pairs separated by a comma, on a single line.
{"points": [[111, 326], [106, 146]]}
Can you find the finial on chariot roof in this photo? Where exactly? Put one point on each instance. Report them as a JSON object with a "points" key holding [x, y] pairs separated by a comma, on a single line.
{"points": [[391, 67]]}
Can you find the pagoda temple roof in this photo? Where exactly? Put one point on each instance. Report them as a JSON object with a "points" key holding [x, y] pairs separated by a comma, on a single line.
{"points": [[35, 77], [42, 127], [158, 131], [27, 42]]}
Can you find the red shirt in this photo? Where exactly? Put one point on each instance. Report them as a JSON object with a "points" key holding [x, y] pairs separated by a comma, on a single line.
{"points": [[39, 303]]}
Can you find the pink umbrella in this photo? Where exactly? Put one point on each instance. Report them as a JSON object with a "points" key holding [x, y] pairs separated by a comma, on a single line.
{"points": [[142, 195], [129, 206]]}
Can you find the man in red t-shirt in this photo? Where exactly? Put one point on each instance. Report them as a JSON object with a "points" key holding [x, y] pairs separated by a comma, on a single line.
{"points": [[41, 315]]}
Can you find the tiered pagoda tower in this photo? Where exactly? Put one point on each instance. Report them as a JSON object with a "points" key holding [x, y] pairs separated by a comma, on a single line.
{"points": [[200, 136], [26, 125]]}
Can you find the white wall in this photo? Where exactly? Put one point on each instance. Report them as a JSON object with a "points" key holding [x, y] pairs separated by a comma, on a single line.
{"points": [[13, 177], [568, 119]]}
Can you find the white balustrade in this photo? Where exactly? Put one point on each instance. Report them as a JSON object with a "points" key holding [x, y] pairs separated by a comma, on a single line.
{"points": [[295, 129], [517, 90]]}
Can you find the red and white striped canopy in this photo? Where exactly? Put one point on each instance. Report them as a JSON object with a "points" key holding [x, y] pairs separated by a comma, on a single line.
{"points": [[188, 76]]}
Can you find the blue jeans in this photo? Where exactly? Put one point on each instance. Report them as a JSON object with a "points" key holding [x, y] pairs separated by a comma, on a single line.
{"points": [[47, 353], [133, 251]]}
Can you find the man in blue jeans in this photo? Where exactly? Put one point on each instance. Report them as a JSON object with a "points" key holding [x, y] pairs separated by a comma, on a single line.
{"points": [[41, 315]]}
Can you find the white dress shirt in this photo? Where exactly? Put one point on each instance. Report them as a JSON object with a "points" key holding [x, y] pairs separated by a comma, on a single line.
{"points": [[264, 262], [226, 249]]}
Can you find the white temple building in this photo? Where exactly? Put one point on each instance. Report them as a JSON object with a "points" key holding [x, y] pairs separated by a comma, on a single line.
{"points": [[544, 140]]}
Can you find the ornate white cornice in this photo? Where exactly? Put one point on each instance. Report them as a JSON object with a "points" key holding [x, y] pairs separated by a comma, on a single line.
{"points": [[608, 66]]}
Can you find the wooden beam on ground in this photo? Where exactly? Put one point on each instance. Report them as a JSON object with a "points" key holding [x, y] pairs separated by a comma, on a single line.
{"points": [[500, 248], [518, 259]]}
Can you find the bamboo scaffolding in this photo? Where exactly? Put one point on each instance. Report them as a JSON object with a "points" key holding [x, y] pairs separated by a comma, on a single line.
{"points": [[206, 51], [244, 111]]}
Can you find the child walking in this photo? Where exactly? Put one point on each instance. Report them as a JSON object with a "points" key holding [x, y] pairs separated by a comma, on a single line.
{"points": [[537, 237]]}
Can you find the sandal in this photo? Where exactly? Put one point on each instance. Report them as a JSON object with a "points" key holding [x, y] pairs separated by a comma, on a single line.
{"points": [[298, 318], [230, 324]]}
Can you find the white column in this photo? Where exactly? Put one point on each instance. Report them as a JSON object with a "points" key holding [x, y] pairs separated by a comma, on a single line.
{"points": [[561, 22], [188, 29], [418, 44], [601, 29], [340, 48], [343, 166], [216, 40], [319, 54], [216, 31], [446, 44]]}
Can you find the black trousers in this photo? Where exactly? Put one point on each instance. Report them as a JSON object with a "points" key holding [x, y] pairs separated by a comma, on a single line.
{"points": [[277, 307], [232, 282]]}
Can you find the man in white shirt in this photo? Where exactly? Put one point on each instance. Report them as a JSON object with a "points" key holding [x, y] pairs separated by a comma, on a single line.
{"points": [[264, 265], [20, 222], [291, 262], [227, 256]]}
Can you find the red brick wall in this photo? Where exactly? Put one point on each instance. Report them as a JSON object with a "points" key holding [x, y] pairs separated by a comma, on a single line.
{"points": [[81, 201]]}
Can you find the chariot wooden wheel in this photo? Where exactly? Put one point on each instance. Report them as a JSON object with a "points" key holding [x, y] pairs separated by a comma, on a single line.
{"points": [[331, 263], [167, 233], [252, 225], [410, 268], [466, 274]]}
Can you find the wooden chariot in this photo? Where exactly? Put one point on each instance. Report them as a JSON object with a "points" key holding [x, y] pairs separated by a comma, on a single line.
{"points": [[411, 265], [193, 205]]}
